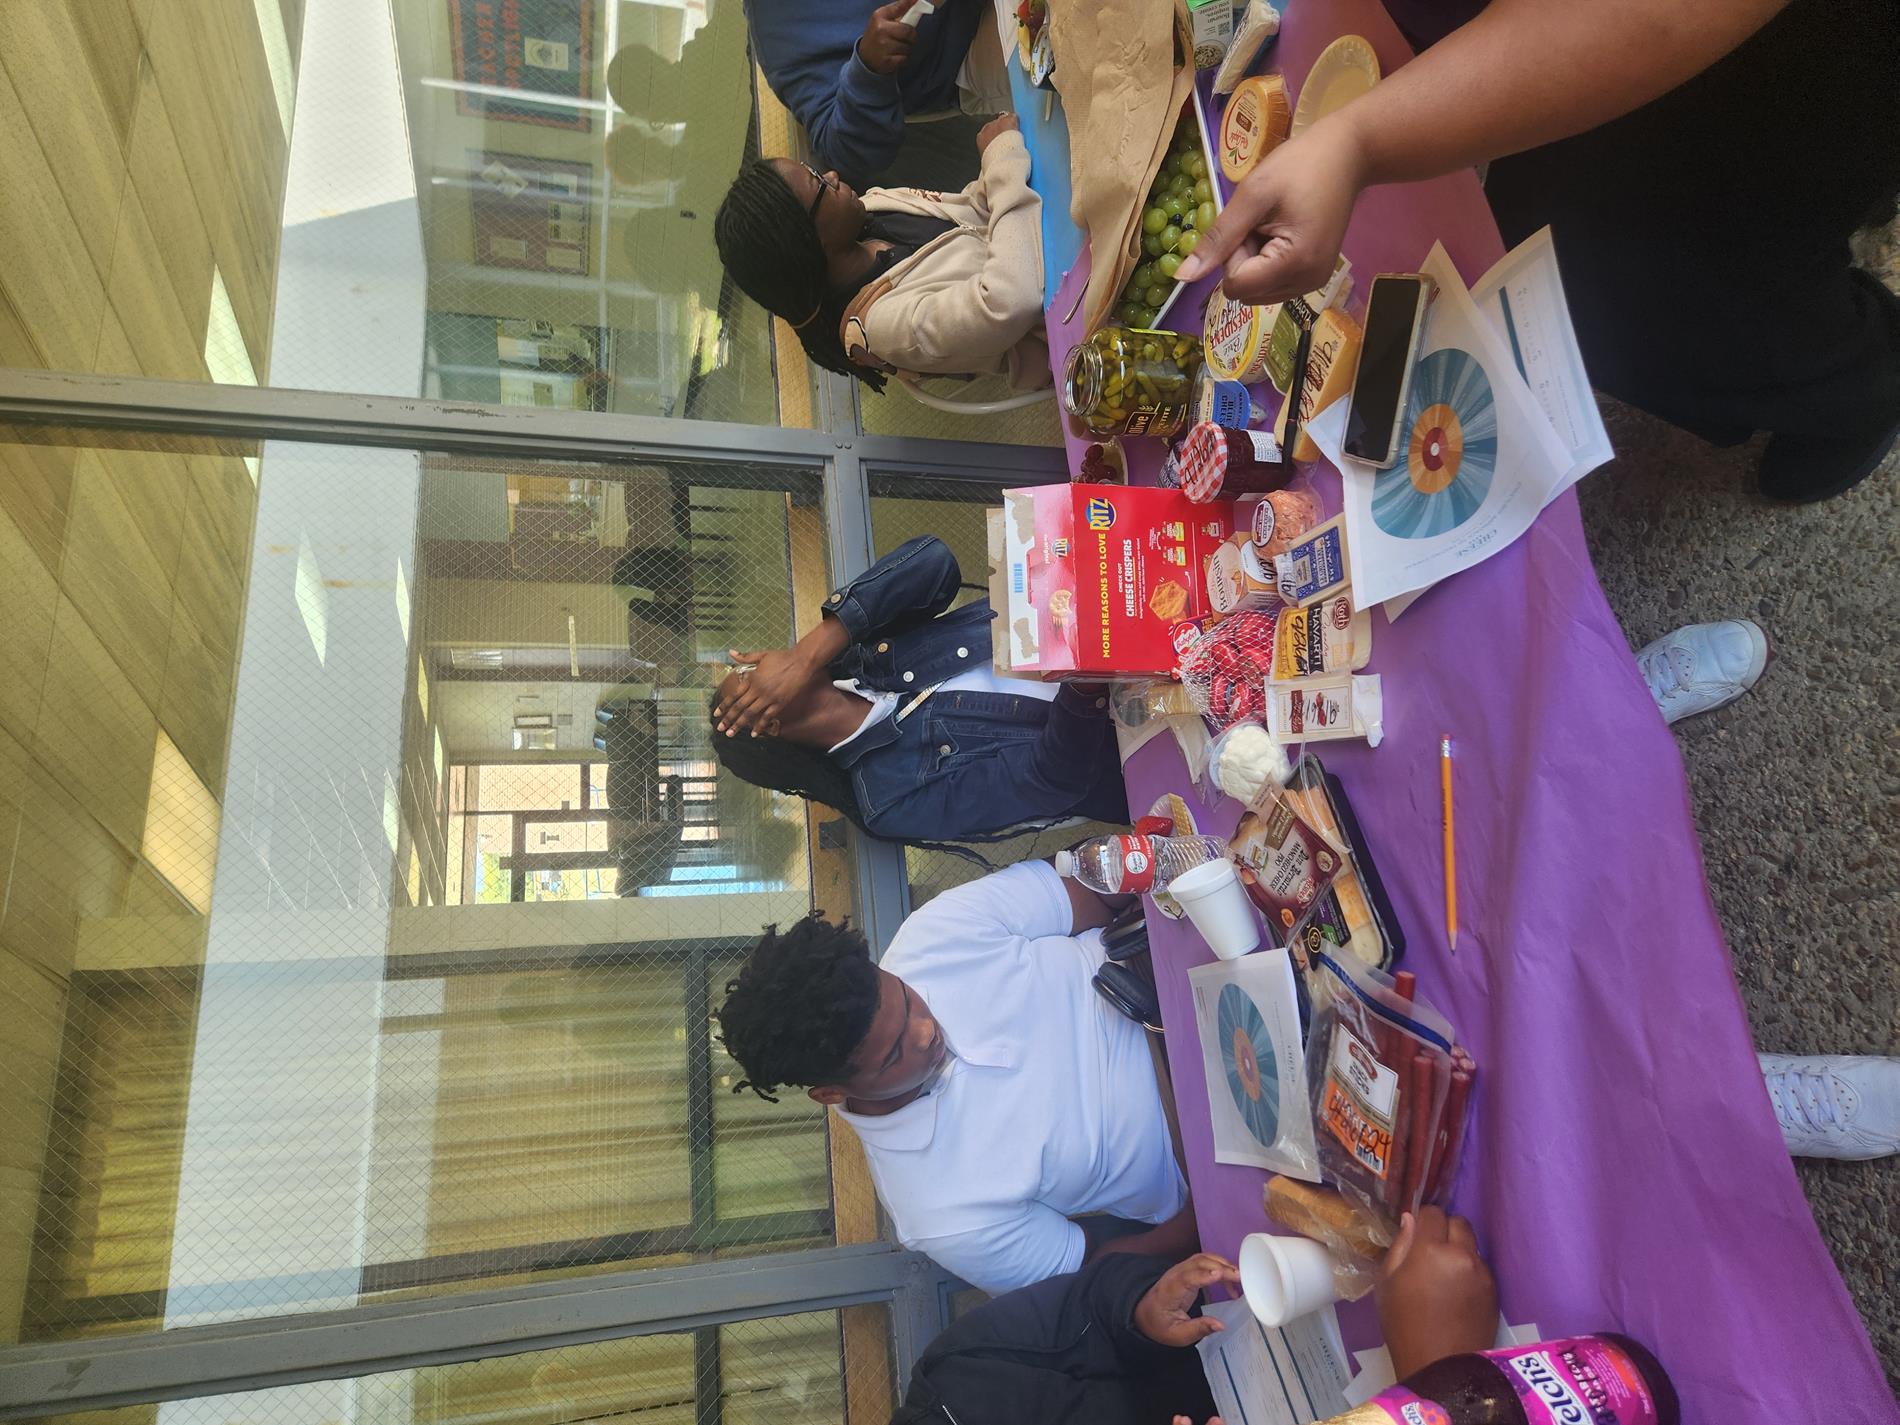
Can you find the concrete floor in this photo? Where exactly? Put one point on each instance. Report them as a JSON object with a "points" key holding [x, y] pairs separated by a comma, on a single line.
{"points": [[1795, 786]]}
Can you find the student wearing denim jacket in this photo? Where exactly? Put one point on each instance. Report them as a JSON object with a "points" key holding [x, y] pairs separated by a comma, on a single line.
{"points": [[891, 713]]}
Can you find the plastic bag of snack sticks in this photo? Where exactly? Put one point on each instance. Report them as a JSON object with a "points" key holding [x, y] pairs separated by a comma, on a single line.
{"points": [[1380, 1068]]}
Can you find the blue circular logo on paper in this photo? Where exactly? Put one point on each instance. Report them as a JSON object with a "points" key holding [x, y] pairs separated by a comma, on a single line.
{"points": [[1100, 514], [1253, 1071], [1450, 453]]}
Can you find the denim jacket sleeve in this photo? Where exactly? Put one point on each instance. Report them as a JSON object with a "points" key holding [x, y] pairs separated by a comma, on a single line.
{"points": [[914, 582], [1037, 777]]}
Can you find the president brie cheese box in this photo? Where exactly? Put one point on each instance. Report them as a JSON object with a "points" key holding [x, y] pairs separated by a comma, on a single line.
{"points": [[1099, 575]]}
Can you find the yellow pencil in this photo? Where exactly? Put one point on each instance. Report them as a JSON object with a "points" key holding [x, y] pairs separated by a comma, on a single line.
{"points": [[1451, 854]]}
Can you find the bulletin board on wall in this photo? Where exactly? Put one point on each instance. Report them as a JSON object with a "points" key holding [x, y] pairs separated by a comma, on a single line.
{"points": [[532, 214], [536, 46], [521, 361]]}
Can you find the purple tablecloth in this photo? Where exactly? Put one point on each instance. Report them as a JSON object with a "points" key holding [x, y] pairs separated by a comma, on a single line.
{"points": [[1623, 1167]]}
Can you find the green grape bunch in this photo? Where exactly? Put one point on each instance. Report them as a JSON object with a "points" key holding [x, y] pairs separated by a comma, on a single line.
{"points": [[1179, 208]]}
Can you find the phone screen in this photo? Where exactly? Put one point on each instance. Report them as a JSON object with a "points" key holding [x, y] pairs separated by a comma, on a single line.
{"points": [[1391, 313]]}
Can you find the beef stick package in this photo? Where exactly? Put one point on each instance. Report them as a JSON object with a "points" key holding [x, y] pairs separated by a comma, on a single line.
{"points": [[1388, 1084]]}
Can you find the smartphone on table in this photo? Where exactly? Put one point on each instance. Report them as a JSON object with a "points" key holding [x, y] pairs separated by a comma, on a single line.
{"points": [[1395, 317]]}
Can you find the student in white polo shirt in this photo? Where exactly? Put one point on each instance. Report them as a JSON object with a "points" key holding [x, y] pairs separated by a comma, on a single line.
{"points": [[997, 1095]]}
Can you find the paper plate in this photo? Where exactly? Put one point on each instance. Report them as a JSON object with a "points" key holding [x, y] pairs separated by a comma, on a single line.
{"points": [[1345, 69]]}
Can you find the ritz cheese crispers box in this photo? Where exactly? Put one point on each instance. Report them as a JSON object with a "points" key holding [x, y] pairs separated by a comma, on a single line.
{"points": [[1099, 575]]}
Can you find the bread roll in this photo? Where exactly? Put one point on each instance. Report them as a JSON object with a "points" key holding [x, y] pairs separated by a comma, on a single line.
{"points": [[1325, 1216]]}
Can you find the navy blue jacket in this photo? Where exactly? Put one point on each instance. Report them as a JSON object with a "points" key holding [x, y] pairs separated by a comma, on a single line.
{"points": [[963, 766], [1065, 1351], [809, 53]]}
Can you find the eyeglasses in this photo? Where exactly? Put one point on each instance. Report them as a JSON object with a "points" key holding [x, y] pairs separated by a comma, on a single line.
{"points": [[825, 185]]}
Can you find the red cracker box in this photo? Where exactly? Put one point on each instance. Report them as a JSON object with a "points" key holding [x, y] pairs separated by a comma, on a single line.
{"points": [[1099, 575]]}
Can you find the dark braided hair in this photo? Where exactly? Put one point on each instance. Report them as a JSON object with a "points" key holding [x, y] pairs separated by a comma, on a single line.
{"points": [[800, 1006], [780, 765], [769, 245]]}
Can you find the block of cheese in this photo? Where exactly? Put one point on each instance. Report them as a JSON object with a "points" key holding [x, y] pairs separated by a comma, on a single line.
{"points": [[1330, 366], [1253, 124]]}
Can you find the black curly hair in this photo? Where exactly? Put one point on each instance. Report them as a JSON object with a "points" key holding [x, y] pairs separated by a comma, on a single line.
{"points": [[800, 1006]]}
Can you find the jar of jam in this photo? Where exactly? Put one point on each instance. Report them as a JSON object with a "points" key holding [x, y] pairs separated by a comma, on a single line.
{"points": [[1123, 381], [1213, 460]]}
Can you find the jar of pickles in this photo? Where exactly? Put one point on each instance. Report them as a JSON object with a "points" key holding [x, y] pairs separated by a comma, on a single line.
{"points": [[1122, 381]]}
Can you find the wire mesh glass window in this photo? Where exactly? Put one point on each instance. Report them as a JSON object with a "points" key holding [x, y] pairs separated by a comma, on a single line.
{"points": [[895, 411], [466, 199], [318, 986], [815, 1368]]}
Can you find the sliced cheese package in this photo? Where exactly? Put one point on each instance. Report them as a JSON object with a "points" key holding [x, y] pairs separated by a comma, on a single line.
{"points": [[1356, 913], [1320, 709], [1315, 566], [1329, 636], [1283, 340], [1331, 364]]}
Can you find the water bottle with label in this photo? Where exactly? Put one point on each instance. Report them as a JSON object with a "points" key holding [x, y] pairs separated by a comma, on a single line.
{"points": [[1131, 863]]}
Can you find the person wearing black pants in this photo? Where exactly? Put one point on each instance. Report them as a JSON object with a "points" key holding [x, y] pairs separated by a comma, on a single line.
{"points": [[1702, 168], [1704, 245]]}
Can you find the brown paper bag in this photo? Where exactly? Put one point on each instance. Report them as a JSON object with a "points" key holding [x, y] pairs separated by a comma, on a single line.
{"points": [[1123, 79]]}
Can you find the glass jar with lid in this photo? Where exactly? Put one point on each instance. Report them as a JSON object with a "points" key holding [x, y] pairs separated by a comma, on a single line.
{"points": [[1123, 381]]}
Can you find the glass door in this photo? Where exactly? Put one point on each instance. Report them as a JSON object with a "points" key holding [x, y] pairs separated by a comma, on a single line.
{"points": [[323, 992]]}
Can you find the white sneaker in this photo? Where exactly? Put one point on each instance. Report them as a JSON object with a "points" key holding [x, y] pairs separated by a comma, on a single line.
{"points": [[1835, 1105], [1703, 666]]}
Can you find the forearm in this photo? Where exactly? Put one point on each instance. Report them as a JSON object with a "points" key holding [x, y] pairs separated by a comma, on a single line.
{"points": [[1529, 72], [1091, 909], [1110, 1290], [821, 647], [1178, 1237], [1009, 289], [858, 127], [917, 580]]}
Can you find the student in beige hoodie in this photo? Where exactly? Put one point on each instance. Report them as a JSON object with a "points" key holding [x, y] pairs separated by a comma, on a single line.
{"points": [[897, 279]]}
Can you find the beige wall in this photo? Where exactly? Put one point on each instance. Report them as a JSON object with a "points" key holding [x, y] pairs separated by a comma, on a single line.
{"points": [[144, 146], [144, 151], [123, 613]]}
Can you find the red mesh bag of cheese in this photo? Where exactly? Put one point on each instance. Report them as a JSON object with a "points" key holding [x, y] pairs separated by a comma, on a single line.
{"points": [[1225, 670]]}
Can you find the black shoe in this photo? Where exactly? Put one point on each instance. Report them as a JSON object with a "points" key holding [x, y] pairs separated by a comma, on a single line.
{"points": [[1801, 470]]}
